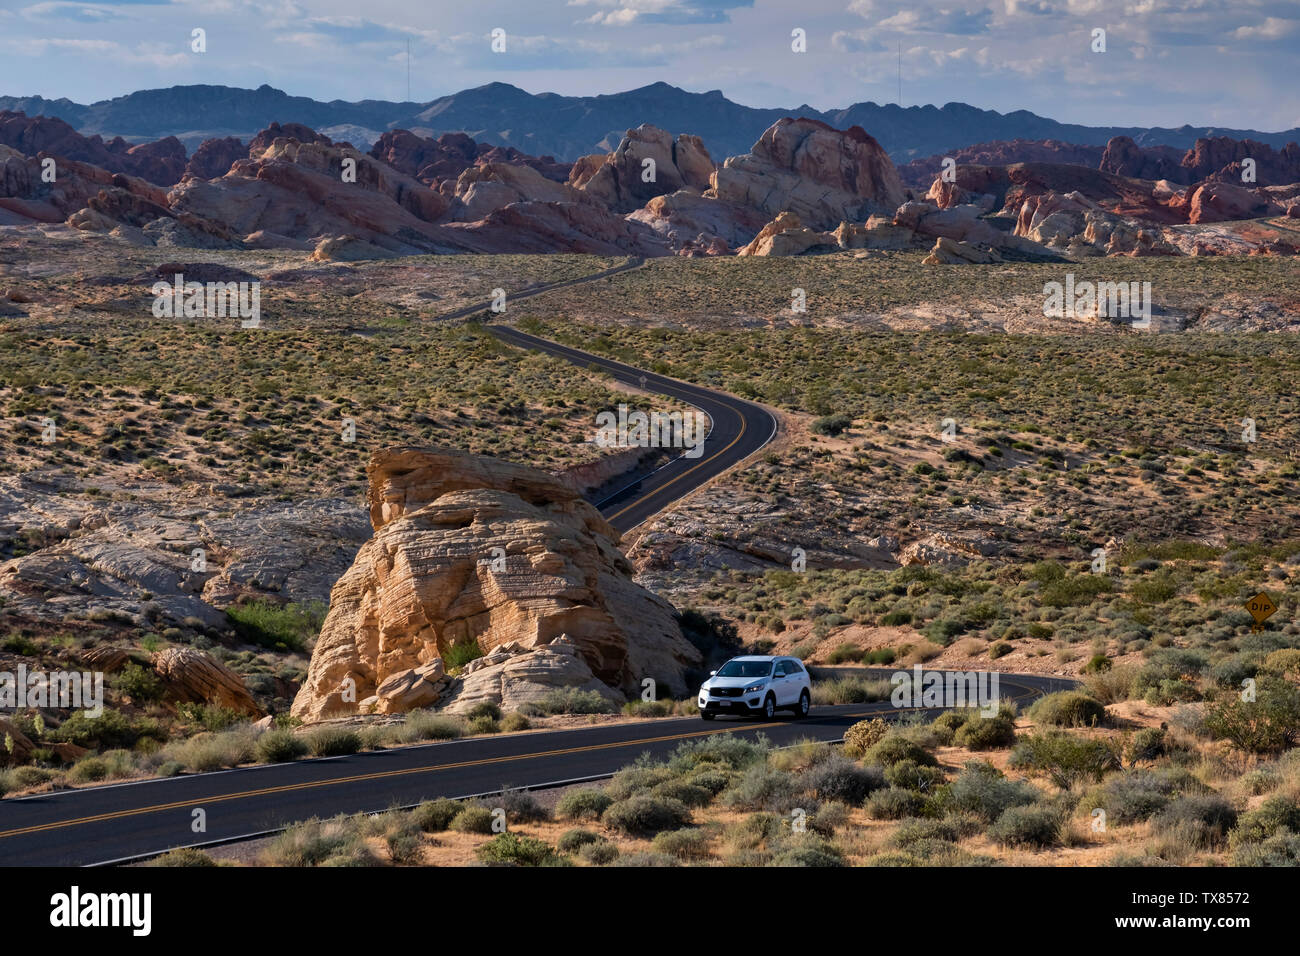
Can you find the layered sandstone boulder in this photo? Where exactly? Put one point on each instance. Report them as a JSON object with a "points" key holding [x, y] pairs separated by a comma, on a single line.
{"points": [[192, 676], [468, 551]]}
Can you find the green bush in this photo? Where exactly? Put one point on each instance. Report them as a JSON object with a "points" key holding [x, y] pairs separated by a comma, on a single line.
{"points": [[808, 849], [687, 844], [582, 805], [894, 803], [1064, 758], [112, 729], [839, 778], [1035, 826], [333, 742], [520, 806], [286, 627], [1146, 745], [894, 747], [763, 788], [516, 850], [599, 854], [831, 424], [1067, 708], [423, 725], [979, 732], [864, 735], [1208, 817], [983, 790], [435, 816], [185, 856], [571, 841], [910, 775], [1280, 849], [1138, 795], [280, 746], [1268, 724], [472, 819], [569, 700], [138, 683], [1277, 813], [683, 792], [482, 724], [645, 816], [458, 655], [484, 708], [514, 722]]}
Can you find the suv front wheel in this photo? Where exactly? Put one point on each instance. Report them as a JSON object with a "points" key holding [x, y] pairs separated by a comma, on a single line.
{"points": [[769, 707]]}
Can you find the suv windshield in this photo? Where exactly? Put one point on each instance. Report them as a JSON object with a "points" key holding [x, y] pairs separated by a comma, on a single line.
{"points": [[746, 669]]}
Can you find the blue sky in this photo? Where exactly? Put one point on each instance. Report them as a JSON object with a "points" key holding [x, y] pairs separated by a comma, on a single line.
{"points": [[1167, 62]]}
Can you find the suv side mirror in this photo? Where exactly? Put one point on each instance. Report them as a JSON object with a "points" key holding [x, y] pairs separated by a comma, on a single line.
{"points": [[713, 673]]}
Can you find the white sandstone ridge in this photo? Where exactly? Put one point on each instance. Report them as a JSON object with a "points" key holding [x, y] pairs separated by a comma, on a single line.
{"points": [[472, 550]]}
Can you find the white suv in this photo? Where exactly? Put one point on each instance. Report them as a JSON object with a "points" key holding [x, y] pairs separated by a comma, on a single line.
{"points": [[757, 685]]}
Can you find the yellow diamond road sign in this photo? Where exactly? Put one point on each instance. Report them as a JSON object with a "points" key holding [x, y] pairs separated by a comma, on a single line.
{"points": [[1261, 608]]}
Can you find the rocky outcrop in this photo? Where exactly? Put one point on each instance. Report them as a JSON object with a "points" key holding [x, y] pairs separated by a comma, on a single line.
{"points": [[952, 252], [433, 160], [648, 162], [191, 676], [921, 172], [822, 175], [785, 236], [1221, 202], [513, 678], [161, 162], [214, 157], [472, 551], [15, 746]]}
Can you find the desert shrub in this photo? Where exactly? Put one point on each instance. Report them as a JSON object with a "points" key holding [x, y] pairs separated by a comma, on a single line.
{"points": [[645, 815], [1068, 708], [571, 841], [582, 805], [422, 725], [1268, 724], [112, 729], [637, 779], [1284, 663], [726, 750], [985, 791], [1112, 685], [841, 779], [184, 856], [910, 775], [333, 742], [1206, 817], [710, 779], [1064, 758], [1275, 814], [643, 860], [402, 839], [1146, 745], [1098, 664], [1137, 795], [894, 747], [599, 854], [517, 850], [514, 722], [829, 817], [1036, 826], [280, 746], [520, 806], [686, 844], [434, 816], [1280, 849], [979, 732], [1074, 591], [807, 849], [894, 803], [140, 684], [830, 424], [314, 842], [918, 830], [206, 751], [458, 655], [286, 627], [762, 788], [484, 708], [483, 724], [683, 792], [472, 819], [568, 700], [864, 735]]}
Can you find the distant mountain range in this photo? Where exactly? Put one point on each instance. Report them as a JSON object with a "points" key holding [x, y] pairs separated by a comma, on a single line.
{"points": [[571, 126]]}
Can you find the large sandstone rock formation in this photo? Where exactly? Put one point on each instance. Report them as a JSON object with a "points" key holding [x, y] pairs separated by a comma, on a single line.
{"points": [[822, 175], [470, 550]]}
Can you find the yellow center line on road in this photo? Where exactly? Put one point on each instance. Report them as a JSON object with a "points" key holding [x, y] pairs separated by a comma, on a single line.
{"points": [[386, 774]]}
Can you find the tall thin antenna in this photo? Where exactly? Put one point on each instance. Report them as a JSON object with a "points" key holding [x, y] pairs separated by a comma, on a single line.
{"points": [[900, 73], [408, 69]]}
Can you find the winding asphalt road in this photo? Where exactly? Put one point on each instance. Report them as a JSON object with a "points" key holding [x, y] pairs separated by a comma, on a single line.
{"points": [[115, 823]]}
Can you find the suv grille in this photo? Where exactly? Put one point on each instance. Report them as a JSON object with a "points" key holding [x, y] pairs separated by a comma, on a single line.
{"points": [[727, 691]]}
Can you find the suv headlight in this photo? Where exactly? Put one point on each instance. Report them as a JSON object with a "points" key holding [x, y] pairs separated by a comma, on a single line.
{"points": [[755, 687]]}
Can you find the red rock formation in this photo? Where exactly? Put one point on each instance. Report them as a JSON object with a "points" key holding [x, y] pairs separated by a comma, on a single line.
{"points": [[214, 157], [431, 161], [161, 162], [921, 172]]}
